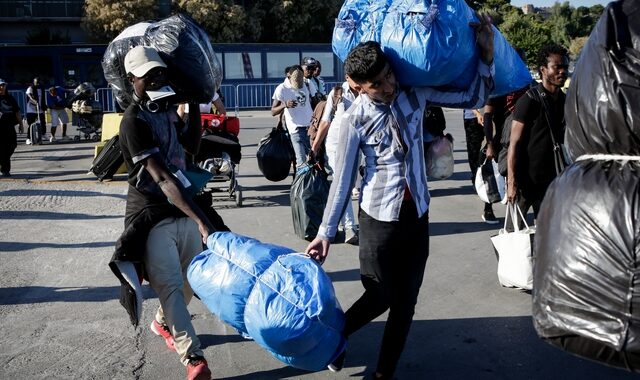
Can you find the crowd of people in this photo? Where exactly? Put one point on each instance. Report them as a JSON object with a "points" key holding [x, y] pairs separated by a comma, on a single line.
{"points": [[370, 128]]}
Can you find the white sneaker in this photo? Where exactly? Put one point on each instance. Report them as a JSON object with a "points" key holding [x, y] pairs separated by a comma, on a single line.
{"points": [[355, 194], [52, 139], [351, 237], [27, 141]]}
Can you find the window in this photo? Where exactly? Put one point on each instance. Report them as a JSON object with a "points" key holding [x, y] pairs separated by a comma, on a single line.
{"points": [[277, 62], [326, 60], [242, 66]]}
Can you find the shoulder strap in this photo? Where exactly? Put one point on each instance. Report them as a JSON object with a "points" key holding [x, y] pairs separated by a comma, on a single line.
{"points": [[545, 108]]}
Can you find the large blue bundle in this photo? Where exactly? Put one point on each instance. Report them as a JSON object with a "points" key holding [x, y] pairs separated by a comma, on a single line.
{"points": [[429, 43], [358, 21], [283, 300]]}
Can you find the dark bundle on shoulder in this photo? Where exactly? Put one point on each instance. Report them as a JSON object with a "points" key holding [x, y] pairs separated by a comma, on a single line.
{"points": [[606, 80], [194, 71]]}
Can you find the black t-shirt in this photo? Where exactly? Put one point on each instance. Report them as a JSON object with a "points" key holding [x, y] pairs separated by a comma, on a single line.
{"points": [[143, 134], [535, 163], [8, 109]]}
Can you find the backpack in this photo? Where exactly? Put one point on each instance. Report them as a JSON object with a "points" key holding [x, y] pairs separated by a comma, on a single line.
{"points": [[319, 110]]}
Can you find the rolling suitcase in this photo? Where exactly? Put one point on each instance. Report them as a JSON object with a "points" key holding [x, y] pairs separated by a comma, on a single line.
{"points": [[109, 159], [35, 129]]}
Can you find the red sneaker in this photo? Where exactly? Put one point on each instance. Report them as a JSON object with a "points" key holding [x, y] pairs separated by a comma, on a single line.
{"points": [[163, 331], [198, 369]]}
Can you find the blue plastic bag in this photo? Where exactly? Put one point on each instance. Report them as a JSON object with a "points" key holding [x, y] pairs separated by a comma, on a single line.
{"points": [[429, 43], [358, 21], [283, 300]]}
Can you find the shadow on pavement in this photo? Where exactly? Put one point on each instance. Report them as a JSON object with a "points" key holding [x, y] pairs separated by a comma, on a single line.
{"points": [[20, 215], [452, 228], [14, 246], [59, 193], [462, 190], [345, 275], [67, 158]]}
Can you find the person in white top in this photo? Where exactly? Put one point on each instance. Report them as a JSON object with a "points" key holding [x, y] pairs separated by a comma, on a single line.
{"points": [[36, 106], [291, 98], [329, 132]]}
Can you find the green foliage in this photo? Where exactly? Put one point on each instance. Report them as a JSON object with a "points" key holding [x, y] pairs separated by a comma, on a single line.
{"points": [[527, 32], [105, 19], [221, 19], [44, 36]]}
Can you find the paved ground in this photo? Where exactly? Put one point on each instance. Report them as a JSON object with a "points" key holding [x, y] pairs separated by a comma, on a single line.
{"points": [[61, 318]]}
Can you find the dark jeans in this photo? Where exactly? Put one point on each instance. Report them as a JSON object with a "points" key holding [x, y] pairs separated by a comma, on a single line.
{"points": [[393, 256]]}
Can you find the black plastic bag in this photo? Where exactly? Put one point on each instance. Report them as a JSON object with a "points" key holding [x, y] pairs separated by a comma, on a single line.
{"points": [[605, 81], [308, 197], [586, 288], [194, 71], [275, 154]]}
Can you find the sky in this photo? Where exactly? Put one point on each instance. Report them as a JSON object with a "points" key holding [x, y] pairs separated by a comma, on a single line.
{"points": [[548, 3]]}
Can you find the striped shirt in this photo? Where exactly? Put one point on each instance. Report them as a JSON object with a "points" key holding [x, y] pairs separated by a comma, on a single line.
{"points": [[390, 138]]}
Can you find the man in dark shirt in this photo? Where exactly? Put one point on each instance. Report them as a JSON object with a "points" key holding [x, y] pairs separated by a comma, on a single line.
{"points": [[156, 162], [9, 117], [530, 158]]}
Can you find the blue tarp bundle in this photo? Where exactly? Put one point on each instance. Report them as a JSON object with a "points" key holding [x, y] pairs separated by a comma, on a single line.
{"points": [[281, 299], [429, 43], [358, 21]]}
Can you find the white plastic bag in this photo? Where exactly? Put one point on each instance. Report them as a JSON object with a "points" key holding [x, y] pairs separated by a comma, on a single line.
{"points": [[439, 157], [514, 251], [489, 184]]}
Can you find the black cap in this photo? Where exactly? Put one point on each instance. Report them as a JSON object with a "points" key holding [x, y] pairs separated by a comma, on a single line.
{"points": [[309, 61]]}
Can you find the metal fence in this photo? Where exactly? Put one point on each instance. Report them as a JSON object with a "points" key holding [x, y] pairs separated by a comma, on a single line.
{"points": [[236, 97]]}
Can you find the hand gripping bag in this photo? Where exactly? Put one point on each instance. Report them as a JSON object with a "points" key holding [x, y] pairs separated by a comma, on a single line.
{"points": [[275, 154], [308, 196], [194, 71], [489, 184], [587, 262], [358, 21], [283, 300], [606, 80]]}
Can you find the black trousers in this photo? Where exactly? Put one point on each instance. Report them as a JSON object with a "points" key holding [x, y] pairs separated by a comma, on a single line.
{"points": [[32, 118], [474, 133], [393, 256], [8, 145]]}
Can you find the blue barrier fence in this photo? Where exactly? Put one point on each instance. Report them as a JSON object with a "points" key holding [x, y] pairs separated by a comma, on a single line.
{"points": [[238, 97]]}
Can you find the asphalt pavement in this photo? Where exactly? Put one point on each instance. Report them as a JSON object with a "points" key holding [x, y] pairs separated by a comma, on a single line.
{"points": [[61, 318]]}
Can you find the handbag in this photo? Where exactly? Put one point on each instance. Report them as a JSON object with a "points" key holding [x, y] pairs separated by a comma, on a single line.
{"points": [[439, 157], [514, 251], [275, 153], [489, 183]]}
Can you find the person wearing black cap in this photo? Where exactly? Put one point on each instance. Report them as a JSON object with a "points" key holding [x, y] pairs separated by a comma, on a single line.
{"points": [[9, 117], [309, 66]]}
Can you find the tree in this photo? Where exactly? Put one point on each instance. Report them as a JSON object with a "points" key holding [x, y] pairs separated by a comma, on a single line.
{"points": [[527, 32], [105, 19], [221, 19], [558, 23], [576, 47]]}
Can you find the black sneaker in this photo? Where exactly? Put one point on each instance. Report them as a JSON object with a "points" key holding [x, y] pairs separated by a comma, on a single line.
{"points": [[489, 218], [338, 363]]}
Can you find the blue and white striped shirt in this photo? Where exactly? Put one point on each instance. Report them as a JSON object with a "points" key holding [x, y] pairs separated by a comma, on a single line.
{"points": [[376, 129]]}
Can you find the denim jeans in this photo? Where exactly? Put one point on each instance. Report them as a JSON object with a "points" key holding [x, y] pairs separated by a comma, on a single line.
{"points": [[301, 145]]}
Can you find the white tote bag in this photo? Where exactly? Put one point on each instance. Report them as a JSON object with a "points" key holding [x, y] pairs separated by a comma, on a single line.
{"points": [[489, 184], [514, 251]]}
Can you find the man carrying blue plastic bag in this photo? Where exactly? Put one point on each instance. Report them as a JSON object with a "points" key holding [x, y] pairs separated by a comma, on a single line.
{"points": [[385, 124]]}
